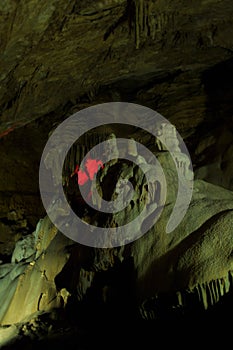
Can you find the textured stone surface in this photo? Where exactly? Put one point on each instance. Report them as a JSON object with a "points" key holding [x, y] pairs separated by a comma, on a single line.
{"points": [[193, 265], [28, 283], [65, 56], [189, 260], [50, 60], [58, 57]]}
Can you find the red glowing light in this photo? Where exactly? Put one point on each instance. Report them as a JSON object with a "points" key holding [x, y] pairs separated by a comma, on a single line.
{"points": [[92, 167], [82, 176]]}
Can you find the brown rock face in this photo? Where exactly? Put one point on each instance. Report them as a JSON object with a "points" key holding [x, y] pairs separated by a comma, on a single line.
{"points": [[56, 54]]}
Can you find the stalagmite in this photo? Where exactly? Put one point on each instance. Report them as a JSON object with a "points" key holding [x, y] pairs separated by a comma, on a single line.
{"points": [[183, 162], [111, 148], [166, 138], [132, 148]]}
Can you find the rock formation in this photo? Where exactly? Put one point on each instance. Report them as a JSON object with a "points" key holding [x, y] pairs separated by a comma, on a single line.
{"points": [[59, 57]]}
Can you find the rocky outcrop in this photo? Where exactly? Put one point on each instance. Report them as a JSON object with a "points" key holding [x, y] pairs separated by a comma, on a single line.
{"points": [[64, 57], [59, 57], [28, 282], [193, 264], [193, 260]]}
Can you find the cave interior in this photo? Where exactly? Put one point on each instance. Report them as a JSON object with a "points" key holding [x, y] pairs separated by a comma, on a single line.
{"points": [[60, 58]]}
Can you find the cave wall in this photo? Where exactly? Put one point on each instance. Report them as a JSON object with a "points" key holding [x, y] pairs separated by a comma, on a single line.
{"points": [[60, 57]]}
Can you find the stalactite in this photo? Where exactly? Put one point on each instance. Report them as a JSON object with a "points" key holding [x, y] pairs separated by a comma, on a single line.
{"points": [[148, 23], [142, 13], [179, 298], [210, 293], [205, 295], [204, 299], [216, 291], [137, 29]]}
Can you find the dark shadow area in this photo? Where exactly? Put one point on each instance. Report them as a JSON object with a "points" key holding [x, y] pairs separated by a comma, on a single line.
{"points": [[218, 87], [219, 90]]}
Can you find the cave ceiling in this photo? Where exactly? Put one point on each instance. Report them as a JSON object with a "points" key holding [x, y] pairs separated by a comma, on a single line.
{"points": [[59, 56]]}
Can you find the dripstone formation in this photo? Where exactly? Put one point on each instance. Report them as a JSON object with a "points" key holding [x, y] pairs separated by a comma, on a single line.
{"points": [[57, 58]]}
